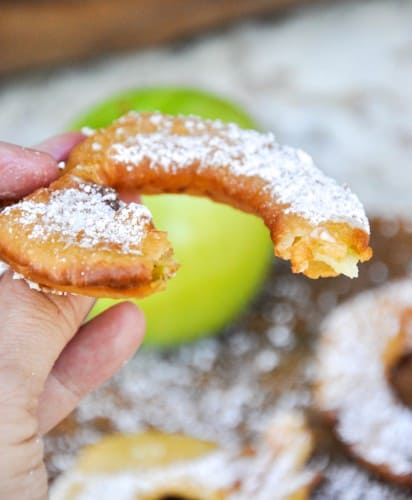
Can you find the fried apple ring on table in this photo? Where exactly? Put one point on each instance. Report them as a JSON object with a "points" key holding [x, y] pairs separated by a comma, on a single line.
{"points": [[158, 466], [362, 341], [318, 225]]}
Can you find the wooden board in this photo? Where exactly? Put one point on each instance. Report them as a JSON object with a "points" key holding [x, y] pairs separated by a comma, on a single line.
{"points": [[39, 32]]}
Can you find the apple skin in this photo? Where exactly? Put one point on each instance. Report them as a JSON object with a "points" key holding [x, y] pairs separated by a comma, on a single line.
{"points": [[170, 100], [224, 253]]}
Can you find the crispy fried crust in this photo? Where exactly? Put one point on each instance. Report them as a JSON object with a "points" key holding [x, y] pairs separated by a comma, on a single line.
{"points": [[362, 341], [101, 270], [151, 153], [317, 250]]}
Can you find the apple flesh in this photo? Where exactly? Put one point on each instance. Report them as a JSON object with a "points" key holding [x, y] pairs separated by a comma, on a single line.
{"points": [[224, 253]]}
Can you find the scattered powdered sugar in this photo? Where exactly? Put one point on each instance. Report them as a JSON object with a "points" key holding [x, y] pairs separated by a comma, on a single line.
{"points": [[3, 268], [352, 378], [219, 389], [347, 482], [266, 476], [87, 131], [31, 284], [155, 385], [279, 464], [289, 174], [36, 286], [87, 216]]}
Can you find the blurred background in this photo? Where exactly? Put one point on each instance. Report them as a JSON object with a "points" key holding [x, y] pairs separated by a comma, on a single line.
{"points": [[331, 77]]}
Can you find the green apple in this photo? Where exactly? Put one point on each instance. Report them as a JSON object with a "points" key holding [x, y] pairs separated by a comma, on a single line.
{"points": [[171, 100], [224, 253]]}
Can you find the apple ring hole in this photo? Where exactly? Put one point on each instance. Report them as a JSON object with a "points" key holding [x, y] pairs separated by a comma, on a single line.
{"points": [[175, 497], [400, 377], [171, 496]]}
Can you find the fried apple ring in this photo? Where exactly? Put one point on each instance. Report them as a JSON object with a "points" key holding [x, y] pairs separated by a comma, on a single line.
{"points": [[318, 225], [362, 340], [80, 237], [156, 466]]}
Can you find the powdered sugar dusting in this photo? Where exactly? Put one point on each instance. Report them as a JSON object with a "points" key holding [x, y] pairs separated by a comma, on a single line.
{"points": [[36, 286], [3, 268], [182, 390], [352, 377], [212, 472], [289, 174], [87, 216], [31, 284], [87, 131], [219, 389], [279, 467], [347, 482]]}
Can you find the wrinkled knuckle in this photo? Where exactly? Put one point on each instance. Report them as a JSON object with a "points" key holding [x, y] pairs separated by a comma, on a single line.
{"points": [[67, 315], [14, 386], [72, 313], [22, 458], [18, 406], [22, 472]]}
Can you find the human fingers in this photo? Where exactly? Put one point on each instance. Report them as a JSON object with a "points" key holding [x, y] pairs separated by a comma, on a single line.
{"points": [[35, 327], [33, 331], [101, 347], [59, 146], [22, 170]]}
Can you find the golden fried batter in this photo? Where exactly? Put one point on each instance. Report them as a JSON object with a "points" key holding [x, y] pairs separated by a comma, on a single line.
{"points": [[81, 238], [315, 223]]}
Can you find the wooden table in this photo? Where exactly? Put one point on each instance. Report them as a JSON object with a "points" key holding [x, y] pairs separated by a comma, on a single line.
{"points": [[39, 32]]}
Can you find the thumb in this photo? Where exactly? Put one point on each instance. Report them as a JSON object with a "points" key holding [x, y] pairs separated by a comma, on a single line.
{"points": [[34, 330]]}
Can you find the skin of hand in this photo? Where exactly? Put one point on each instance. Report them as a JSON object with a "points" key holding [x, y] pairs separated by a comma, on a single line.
{"points": [[49, 358]]}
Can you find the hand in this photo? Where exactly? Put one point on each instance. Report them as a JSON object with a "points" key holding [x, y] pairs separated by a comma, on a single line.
{"points": [[48, 359]]}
